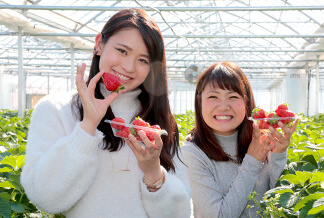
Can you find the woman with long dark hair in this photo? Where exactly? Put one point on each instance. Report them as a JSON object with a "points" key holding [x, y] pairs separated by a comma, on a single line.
{"points": [[74, 163], [225, 156]]}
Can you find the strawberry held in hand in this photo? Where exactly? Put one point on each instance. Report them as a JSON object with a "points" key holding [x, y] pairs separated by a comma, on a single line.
{"points": [[273, 123], [258, 113], [284, 113], [116, 126], [112, 82]]}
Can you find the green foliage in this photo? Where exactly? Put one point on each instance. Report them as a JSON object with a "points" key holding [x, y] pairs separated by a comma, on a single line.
{"points": [[13, 138], [186, 123], [299, 191]]}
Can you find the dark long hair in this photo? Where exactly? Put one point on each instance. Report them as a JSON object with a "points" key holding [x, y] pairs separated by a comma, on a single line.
{"points": [[227, 76], [155, 107]]}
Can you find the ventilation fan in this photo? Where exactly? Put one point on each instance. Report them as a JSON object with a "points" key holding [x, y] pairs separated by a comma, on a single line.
{"points": [[192, 73]]}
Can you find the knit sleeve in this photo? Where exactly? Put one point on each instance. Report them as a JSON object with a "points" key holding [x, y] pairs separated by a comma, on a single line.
{"points": [[277, 163], [59, 166], [209, 198], [173, 199]]}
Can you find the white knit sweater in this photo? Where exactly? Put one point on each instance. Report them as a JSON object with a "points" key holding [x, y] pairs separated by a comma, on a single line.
{"points": [[67, 172]]}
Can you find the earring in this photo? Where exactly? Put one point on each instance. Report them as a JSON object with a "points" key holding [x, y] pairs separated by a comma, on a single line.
{"points": [[95, 52]]}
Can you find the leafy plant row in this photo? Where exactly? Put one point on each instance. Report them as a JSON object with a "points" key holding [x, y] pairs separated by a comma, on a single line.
{"points": [[298, 193]]}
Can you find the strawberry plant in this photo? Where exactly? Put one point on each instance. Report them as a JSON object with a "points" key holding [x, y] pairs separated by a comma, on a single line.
{"points": [[185, 123], [299, 191]]}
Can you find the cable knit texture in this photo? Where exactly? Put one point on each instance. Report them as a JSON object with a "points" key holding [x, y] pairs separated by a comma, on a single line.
{"points": [[221, 189], [67, 172]]}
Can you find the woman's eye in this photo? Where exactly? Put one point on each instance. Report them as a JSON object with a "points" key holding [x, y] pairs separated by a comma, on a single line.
{"points": [[121, 50], [234, 97], [143, 61], [212, 96]]}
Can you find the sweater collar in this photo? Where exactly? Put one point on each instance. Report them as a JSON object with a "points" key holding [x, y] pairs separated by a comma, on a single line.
{"points": [[228, 143], [125, 105]]}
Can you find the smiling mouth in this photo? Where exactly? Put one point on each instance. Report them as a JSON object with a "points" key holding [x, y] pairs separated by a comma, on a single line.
{"points": [[223, 117], [122, 77]]}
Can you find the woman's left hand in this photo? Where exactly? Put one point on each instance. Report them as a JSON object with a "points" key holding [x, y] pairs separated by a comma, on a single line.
{"points": [[148, 158], [282, 141]]}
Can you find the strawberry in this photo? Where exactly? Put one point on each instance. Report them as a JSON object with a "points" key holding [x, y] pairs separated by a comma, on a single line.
{"points": [[282, 106], [139, 122], [285, 113], [258, 113], [116, 126], [150, 134], [263, 124], [273, 123], [112, 82], [155, 127], [124, 132]]}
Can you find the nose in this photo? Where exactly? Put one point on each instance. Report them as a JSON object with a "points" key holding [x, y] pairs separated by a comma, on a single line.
{"points": [[223, 105], [129, 65]]}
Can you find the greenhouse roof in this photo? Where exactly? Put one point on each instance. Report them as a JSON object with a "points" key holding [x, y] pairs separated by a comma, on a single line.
{"points": [[265, 38]]}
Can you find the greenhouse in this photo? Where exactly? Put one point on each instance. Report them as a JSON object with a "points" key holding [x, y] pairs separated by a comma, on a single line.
{"points": [[278, 44]]}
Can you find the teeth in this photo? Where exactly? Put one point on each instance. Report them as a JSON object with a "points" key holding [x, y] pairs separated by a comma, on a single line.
{"points": [[223, 117], [122, 76]]}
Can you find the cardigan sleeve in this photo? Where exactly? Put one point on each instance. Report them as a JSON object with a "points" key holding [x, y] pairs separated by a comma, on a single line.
{"points": [[173, 199], [208, 196], [60, 164]]}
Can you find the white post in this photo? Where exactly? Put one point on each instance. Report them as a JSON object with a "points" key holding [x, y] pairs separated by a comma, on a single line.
{"points": [[72, 66], [48, 83], [317, 87], [21, 80]]}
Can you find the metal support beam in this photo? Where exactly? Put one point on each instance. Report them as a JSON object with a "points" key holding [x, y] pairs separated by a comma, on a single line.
{"points": [[317, 88], [168, 9], [21, 77], [72, 66]]}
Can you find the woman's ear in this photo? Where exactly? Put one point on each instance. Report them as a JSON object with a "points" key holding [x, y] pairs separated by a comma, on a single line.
{"points": [[99, 44]]}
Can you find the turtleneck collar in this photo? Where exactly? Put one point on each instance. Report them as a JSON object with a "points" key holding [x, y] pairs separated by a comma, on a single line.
{"points": [[125, 105], [228, 143]]}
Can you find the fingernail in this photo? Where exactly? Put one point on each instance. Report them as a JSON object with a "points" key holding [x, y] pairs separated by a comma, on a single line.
{"points": [[131, 137]]}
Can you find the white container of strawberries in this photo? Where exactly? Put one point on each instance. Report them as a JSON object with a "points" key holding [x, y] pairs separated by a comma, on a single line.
{"points": [[265, 120], [122, 130]]}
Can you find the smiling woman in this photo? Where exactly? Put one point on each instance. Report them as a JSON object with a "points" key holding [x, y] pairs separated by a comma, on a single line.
{"points": [[226, 149], [74, 163]]}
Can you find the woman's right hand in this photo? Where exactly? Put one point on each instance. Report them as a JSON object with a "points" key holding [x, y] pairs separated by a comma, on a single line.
{"points": [[259, 148], [93, 109]]}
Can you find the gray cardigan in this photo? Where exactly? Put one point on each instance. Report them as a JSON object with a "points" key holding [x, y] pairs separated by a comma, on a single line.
{"points": [[221, 189]]}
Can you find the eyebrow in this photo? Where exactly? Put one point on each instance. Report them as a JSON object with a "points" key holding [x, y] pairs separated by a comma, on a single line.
{"points": [[129, 48], [213, 91]]}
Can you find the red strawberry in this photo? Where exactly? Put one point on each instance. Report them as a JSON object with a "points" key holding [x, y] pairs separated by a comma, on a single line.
{"points": [[150, 134], [155, 127], [273, 123], [258, 113], [263, 124], [116, 126], [112, 82], [282, 106], [285, 113], [139, 122], [124, 132]]}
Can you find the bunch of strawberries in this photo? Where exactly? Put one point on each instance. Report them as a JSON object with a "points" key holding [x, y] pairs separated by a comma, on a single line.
{"points": [[139, 124], [282, 113]]}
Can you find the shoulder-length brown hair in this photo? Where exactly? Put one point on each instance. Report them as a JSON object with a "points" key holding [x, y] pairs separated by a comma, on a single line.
{"points": [[155, 107], [229, 76]]}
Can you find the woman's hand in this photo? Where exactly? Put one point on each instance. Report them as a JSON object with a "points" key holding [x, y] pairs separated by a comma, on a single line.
{"points": [[148, 158], [259, 146], [93, 109], [282, 141]]}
